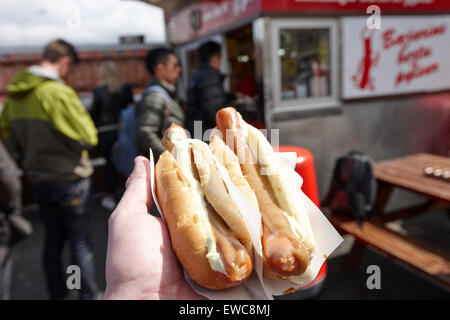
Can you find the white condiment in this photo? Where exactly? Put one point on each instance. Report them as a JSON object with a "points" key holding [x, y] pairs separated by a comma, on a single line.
{"points": [[183, 157], [281, 186]]}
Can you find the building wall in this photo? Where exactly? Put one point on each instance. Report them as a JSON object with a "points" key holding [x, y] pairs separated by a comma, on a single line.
{"points": [[383, 128], [85, 76]]}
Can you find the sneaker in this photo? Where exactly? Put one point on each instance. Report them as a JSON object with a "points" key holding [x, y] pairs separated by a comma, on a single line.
{"points": [[108, 203]]}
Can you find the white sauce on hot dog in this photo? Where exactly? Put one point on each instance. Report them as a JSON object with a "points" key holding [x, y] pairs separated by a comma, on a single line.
{"points": [[182, 155], [294, 211]]}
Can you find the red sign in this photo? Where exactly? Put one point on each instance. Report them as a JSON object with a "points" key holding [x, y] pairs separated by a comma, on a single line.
{"points": [[355, 5], [409, 54], [207, 16]]}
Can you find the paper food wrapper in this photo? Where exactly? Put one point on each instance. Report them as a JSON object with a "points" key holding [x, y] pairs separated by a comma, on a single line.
{"points": [[256, 287]]}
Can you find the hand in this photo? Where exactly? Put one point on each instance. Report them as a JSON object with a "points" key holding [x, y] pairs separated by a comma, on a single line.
{"points": [[140, 263]]}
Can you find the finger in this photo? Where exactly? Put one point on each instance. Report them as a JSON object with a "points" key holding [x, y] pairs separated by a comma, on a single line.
{"points": [[138, 186], [137, 171]]}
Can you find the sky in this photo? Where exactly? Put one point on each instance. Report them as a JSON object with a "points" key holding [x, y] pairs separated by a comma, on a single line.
{"points": [[82, 22]]}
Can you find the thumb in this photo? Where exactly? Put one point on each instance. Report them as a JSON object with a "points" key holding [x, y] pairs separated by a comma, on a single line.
{"points": [[138, 185]]}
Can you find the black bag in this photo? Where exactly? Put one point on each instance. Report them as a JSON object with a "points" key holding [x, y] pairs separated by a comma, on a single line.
{"points": [[353, 187]]}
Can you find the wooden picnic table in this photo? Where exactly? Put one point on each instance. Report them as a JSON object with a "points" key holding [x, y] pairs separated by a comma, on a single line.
{"points": [[405, 173]]}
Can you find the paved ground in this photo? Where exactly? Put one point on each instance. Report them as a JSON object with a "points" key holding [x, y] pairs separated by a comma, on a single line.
{"points": [[397, 282], [28, 279]]}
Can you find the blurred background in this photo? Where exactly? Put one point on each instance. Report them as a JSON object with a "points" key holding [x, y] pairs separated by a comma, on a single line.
{"points": [[332, 77]]}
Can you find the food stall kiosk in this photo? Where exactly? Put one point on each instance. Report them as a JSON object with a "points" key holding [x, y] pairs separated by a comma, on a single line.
{"points": [[328, 77], [323, 78]]}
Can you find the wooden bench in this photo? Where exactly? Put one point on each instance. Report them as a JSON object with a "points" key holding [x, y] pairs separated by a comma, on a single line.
{"points": [[406, 173], [431, 262]]}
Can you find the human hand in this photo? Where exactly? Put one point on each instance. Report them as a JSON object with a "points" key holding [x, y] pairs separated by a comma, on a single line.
{"points": [[140, 263]]}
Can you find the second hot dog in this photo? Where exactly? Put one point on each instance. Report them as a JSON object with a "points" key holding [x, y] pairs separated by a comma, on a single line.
{"points": [[287, 239]]}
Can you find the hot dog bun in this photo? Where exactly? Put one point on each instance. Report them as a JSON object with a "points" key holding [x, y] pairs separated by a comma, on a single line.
{"points": [[288, 242], [208, 234]]}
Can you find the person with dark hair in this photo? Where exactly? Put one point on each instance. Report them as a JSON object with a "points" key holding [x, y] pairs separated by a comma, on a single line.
{"points": [[110, 98], [205, 93], [210, 52], [48, 132], [159, 106], [59, 48]]}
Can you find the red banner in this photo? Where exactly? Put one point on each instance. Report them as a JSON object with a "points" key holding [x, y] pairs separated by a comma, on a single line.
{"points": [[205, 16], [355, 5]]}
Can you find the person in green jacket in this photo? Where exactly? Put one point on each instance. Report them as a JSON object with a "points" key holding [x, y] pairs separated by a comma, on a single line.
{"points": [[48, 132]]}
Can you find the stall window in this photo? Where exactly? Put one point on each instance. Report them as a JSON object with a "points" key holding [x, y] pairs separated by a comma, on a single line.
{"points": [[304, 62]]}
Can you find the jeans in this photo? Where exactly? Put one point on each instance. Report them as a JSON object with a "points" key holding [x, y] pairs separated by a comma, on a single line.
{"points": [[66, 211]]}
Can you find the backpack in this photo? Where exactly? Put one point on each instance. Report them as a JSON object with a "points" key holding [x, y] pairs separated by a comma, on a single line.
{"points": [[125, 149], [353, 186]]}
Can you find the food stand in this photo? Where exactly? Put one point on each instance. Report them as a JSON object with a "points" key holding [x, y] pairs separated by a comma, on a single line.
{"points": [[325, 80], [321, 77]]}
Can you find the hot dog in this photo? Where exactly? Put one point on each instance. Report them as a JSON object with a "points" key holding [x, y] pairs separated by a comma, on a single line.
{"points": [[208, 234], [287, 239]]}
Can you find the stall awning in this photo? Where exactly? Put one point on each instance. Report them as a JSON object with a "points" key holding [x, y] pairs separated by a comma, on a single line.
{"points": [[195, 18], [173, 6]]}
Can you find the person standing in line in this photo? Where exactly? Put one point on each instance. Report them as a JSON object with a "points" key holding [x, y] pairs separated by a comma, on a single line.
{"points": [[205, 93], [109, 99], [48, 132], [159, 106]]}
